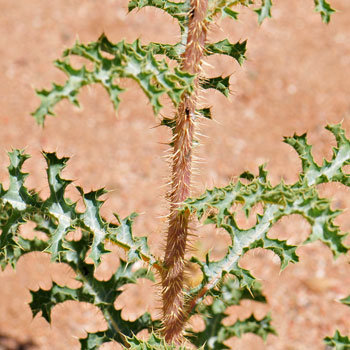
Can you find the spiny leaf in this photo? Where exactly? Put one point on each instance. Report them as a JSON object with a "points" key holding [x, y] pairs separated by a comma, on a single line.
{"points": [[173, 52], [264, 11], [330, 170], [57, 205], [93, 341], [205, 112], [216, 333], [224, 47], [300, 198], [99, 293], [57, 215], [223, 8], [230, 293], [346, 301], [338, 342], [10, 254], [178, 10], [325, 9], [77, 78], [130, 61], [153, 343], [219, 83], [17, 194]]}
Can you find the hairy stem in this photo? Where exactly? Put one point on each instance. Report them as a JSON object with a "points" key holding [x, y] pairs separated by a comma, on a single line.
{"points": [[172, 278]]}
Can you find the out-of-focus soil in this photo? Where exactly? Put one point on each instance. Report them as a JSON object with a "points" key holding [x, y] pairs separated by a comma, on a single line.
{"points": [[296, 79]]}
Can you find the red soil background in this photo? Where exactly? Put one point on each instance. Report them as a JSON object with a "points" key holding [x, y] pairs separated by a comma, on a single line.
{"points": [[296, 79]]}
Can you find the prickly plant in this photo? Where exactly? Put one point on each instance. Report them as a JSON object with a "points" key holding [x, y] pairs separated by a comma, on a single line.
{"points": [[225, 281]]}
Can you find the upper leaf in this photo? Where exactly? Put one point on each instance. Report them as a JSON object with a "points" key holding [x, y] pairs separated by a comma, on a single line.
{"points": [[133, 61], [178, 10]]}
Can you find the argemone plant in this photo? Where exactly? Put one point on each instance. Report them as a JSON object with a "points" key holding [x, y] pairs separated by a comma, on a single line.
{"points": [[173, 71]]}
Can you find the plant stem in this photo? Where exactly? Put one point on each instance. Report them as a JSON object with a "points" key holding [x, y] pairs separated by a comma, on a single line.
{"points": [[174, 259]]}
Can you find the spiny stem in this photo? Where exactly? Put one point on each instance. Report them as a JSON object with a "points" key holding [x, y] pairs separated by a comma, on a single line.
{"points": [[174, 259]]}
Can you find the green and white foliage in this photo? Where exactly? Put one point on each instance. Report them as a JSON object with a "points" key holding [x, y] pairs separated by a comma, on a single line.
{"points": [[129, 61], [157, 70], [56, 217], [216, 207], [339, 342], [138, 62], [154, 342], [215, 332]]}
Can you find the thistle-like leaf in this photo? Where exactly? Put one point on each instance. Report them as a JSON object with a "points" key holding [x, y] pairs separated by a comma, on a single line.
{"points": [[219, 83], [338, 342], [99, 293], [56, 216], [224, 47], [224, 8], [177, 10], [153, 343], [93, 341], [102, 294], [300, 198], [325, 10], [129, 61], [264, 11], [329, 171], [215, 333]]}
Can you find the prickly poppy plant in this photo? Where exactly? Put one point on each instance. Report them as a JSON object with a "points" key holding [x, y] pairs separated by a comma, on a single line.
{"points": [[174, 71]]}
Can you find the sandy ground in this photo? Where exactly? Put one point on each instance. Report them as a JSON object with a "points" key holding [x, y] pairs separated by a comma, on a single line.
{"points": [[296, 79]]}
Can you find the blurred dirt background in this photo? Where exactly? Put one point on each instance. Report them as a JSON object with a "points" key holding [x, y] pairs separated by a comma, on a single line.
{"points": [[296, 79]]}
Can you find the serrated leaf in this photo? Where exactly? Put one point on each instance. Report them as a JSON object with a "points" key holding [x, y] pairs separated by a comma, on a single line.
{"points": [[224, 47], [77, 78], [223, 8], [173, 52], [93, 291], [56, 216], [153, 343], [264, 11], [325, 10], [130, 61], [300, 198], [92, 221], [216, 333], [93, 341], [57, 205], [329, 171], [177, 10], [219, 83], [338, 342]]}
